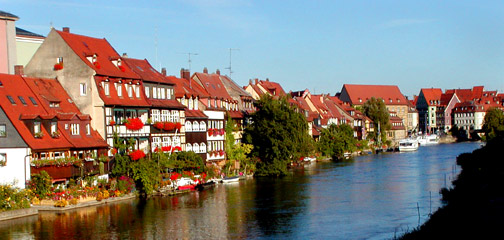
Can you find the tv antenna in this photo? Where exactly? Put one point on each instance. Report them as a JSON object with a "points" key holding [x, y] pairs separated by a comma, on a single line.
{"points": [[230, 52], [189, 58]]}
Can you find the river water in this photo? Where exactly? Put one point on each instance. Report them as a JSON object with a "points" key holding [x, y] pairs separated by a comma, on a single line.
{"points": [[368, 197]]}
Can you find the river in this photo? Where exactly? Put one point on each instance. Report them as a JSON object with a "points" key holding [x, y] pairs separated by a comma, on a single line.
{"points": [[368, 197]]}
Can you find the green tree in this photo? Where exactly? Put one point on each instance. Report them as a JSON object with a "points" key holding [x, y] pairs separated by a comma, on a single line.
{"points": [[493, 123], [237, 151], [146, 174], [336, 140], [376, 110], [279, 134]]}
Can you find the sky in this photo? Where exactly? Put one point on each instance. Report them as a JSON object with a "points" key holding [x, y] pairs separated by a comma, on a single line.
{"points": [[319, 45]]}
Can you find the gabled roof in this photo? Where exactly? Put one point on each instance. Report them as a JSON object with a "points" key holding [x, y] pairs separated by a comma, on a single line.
{"points": [[213, 85], [359, 94], [85, 46], [233, 88], [432, 95], [273, 88], [187, 88], [446, 98], [31, 90], [124, 100], [146, 72], [468, 94]]}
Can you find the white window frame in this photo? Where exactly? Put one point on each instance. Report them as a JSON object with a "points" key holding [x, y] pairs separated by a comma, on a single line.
{"points": [[156, 116], [137, 91], [154, 92], [147, 92], [188, 126], [106, 88], [166, 141], [130, 91], [37, 127], [195, 127], [203, 147], [168, 93], [83, 89], [119, 89], [75, 129], [188, 147], [202, 126], [88, 129], [165, 115]]}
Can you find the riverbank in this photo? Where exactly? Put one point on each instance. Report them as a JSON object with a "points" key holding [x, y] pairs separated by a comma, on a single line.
{"points": [[475, 205]]}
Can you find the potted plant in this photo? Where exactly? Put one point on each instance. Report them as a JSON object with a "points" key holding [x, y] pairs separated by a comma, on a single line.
{"points": [[38, 135], [56, 134]]}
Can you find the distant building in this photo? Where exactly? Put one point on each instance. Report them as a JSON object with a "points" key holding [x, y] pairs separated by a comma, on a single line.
{"points": [[7, 42], [27, 43]]}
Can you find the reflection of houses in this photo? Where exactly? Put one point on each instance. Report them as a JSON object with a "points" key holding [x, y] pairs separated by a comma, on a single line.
{"points": [[166, 114], [40, 123], [93, 74]]}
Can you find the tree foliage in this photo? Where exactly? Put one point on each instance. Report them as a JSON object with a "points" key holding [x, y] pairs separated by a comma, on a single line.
{"points": [[336, 140], [493, 123], [376, 110], [278, 134]]}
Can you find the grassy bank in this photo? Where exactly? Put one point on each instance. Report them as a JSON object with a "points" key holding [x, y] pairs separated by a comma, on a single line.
{"points": [[475, 205]]}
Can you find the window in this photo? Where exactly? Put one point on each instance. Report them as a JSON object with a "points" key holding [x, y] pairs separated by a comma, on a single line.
{"points": [[167, 141], [202, 126], [3, 159], [202, 147], [189, 147], [36, 127], [33, 101], [74, 128], [88, 129], [188, 126], [54, 127], [162, 93], [191, 104], [106, 88], [131, 113], [11, 100], [165, 115], [137, 91], [195, 127], [83, 89], [118, 115], [168, 93], [147, 93], [3, 130], [22, 100], [156, 117], [54, 104], [119, 89], [130, 91], [175, 116], [154, 92], [196, 104]]}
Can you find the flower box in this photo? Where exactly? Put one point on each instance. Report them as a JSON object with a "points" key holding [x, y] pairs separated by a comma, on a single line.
{"points": [[134, 124], [58, 66]]}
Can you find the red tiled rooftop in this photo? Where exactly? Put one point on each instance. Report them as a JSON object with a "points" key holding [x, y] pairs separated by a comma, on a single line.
{"points": [[432, 95], [146, 72], [213, 85], [359, 94]]}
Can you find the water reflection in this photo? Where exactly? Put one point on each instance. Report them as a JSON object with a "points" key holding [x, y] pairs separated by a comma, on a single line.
{"points": [[368, 197]]}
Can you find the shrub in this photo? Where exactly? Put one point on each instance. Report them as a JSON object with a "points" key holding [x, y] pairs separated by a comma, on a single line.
{"points": [[61, 203], [40, 184], [14, 198]]}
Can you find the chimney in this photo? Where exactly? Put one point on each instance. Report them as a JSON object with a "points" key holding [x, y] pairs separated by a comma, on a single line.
{"points": [[267, 79], [125, 55], [205, 70], [163, 71], [19, 70], [185, 74], [256, 81], [217, 72], [250, 81], [66, 29]]}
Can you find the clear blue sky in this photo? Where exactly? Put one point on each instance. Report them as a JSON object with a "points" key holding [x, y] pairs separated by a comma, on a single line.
{"points": [[319, 45]]}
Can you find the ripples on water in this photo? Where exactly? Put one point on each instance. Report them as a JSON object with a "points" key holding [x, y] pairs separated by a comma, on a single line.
{"points": [[368, 197]]}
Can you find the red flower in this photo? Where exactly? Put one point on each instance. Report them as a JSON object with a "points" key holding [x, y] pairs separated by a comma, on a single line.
{"points": [[168, 126], [97, 65], [159, 125], [178, 125], [137, 154], [134, 124], [122, 68], [210, 132], [58, 66], [177, 148], [166, 149], [221, 152], [113, 151], [112, 122]]}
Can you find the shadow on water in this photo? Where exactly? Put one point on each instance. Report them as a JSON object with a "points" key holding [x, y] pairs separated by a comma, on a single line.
{"points": [[279, 201]]}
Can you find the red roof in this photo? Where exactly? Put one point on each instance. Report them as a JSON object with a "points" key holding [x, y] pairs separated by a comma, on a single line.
{"points": [[194, 114], [272, 87], [146, 72], [359, 94], [432, 95], [34, 88], [446, 98], [85, 46], [187, 88], [124, 100], [213, 85], [235, 114]]}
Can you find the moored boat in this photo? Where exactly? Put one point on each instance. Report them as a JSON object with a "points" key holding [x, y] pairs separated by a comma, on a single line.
{"points": [[231, 179], [206, 185], [408, 145], [424, 140]]}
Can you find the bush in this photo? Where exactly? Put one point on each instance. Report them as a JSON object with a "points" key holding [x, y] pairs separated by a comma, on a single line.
{"points": [[61, 203], [14, 198], [40, 184]]}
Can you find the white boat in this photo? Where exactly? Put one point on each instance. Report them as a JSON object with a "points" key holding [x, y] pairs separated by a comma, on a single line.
{"points": [[309, 159], [424, 140], [231, 179], [408, 145]]}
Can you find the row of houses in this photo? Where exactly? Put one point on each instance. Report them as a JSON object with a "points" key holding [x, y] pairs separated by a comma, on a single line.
{"points": [[76, 94]]}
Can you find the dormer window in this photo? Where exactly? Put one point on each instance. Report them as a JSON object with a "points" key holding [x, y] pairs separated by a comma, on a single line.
{"points": [[88, 129], [119, 89], [54, 104], [33, 101], [147, 92], [137, 91], [11, 100], [130, 91], [36, 128], [106, 88], [22, 100], [74, 128]]}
